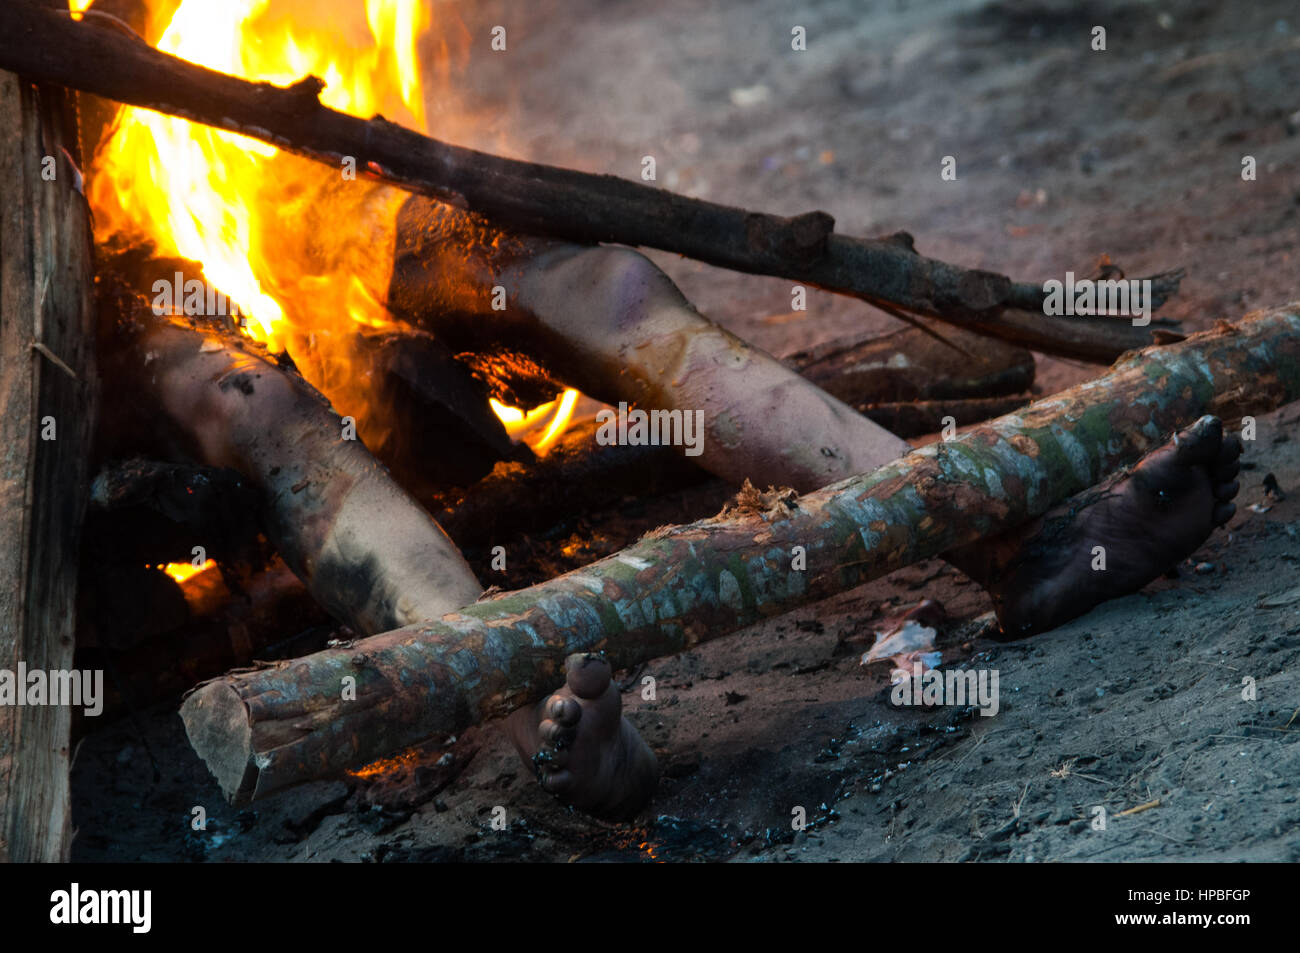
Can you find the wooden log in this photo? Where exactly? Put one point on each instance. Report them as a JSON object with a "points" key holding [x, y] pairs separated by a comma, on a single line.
{"points": [[436, 428], [921, 417], [46, 420], [262, 731], [145, 512], [880, 376], [526, 196], [910, 364]]}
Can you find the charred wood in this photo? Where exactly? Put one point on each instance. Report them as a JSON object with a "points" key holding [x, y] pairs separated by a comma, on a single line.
{"points": [[530, 197]]}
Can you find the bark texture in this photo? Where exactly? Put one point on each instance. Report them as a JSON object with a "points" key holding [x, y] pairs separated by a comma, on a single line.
{"points": [[263, 731], [46, 381]]}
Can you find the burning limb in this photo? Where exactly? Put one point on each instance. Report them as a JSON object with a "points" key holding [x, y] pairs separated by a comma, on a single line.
{"points": [[367, 552], [534, 198], [608, 322], [262, 731]]}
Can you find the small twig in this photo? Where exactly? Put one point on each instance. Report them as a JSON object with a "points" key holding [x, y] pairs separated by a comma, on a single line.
{"points": [[1140, 808]]}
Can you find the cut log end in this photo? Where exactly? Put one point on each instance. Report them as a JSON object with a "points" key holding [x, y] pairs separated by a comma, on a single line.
{"points": [[217, 724]]}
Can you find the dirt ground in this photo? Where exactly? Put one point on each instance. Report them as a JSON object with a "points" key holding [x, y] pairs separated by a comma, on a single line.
{"points": [[1063, 154]]}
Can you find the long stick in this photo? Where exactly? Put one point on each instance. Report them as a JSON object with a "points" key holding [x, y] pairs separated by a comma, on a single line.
{"points": [[319, 715], [536, 198]]}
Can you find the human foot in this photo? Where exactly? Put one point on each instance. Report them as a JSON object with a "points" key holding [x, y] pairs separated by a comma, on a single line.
{"points": [[582, 749], [1136, 525]]}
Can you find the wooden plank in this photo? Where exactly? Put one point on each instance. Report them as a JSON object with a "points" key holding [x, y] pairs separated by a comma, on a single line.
{"points": [[46, 381]]}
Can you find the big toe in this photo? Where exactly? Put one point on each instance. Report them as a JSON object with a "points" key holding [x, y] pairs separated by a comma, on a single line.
{"points": [[1200, 443], [588, 674]]}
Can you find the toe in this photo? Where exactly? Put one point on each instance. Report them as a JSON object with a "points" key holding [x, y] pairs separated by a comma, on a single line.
{"points": [[588, 675], [1226, 472], [561, 783], [556, 735], [1200, 442], [1225, 491], [547, 760], [1231, 448], [1224, 512], [564, 710]]}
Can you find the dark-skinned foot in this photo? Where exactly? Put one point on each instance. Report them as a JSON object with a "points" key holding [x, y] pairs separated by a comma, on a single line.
{"points": [[582, 748], [1137, 525]]}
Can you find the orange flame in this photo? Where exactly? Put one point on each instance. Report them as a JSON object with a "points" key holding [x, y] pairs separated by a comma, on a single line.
{"points": [[183, 571], [232, 203], [541, 426]]}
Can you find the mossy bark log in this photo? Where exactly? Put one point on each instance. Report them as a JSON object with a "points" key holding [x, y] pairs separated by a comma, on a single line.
{"points": [[263, 731]]}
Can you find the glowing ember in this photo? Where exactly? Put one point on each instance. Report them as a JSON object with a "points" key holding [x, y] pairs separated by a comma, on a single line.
{"points": [[182, 571], [384, 766]]}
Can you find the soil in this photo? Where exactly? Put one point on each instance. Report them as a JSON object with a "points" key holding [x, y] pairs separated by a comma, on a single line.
{"points": [[1177, 705]]}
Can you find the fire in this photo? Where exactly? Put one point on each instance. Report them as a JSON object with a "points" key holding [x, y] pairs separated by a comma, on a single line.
{"points": [[232, 203], [541, 426], [183, 571]]}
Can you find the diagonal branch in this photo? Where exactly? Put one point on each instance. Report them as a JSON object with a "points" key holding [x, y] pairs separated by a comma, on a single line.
{"points": [[531, 197]]}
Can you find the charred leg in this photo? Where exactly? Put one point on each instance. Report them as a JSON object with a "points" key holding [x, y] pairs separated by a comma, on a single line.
{"points": [[367, 551], [607, 321]]}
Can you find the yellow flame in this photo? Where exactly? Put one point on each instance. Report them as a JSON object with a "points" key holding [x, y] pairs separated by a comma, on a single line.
{"points": [[211, 195], [233, 203], [541, 426]]}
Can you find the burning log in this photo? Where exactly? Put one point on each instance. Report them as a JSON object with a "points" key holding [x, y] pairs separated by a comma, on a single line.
{"points": [[262, 731], [144, 512], [430, 400], [541, 199], [977, 377], [272, 617], [367, 551], [47, 376]]}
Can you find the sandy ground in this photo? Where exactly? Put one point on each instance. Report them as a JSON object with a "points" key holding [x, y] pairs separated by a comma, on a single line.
{"points": [[1063, 154]]}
